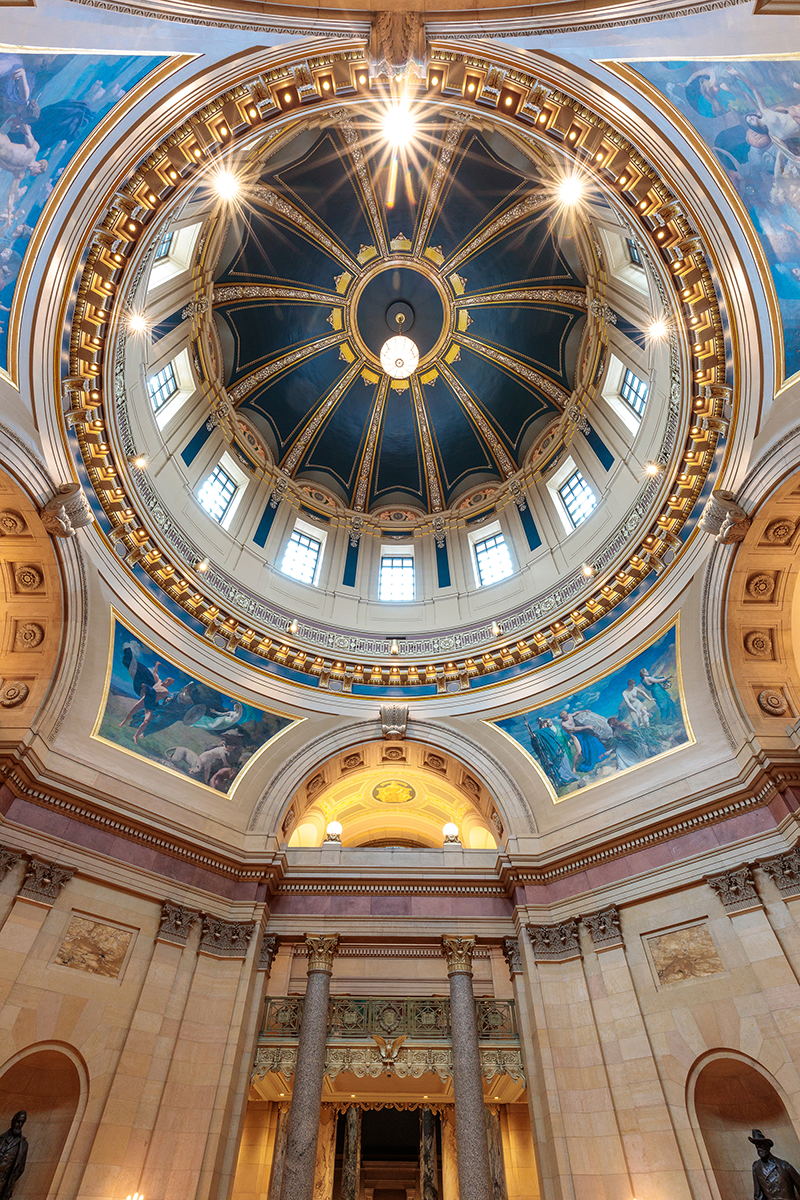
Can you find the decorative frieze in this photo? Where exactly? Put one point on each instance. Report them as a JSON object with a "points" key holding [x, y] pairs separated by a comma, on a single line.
{"points": [[458, 951], [512, 956], [43, 881], [555, 942], [269, 948], [321, 951], [226, 939], [605, 928], [177, 922], [785, 872], [736, 889], [406, 1062], [425, 1018]]}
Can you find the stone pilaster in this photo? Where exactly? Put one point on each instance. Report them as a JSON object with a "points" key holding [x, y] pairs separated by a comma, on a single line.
{"points": [[428, 1175], [474, 1178], [304, 1118], [351, 1167]]}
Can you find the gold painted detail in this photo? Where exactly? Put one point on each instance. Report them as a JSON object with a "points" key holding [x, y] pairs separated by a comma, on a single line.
{"points": [[434, 491], [492, 439], [324, 410], [458, 951], [407, 1062], [321, 951], [277, 204], [393, 791], [352, 140], [365, 469], [246, 385], [230, 293]]}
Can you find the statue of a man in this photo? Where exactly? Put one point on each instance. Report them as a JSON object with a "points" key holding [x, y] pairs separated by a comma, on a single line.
{"points": [[13, 1153], [773, 1179]]}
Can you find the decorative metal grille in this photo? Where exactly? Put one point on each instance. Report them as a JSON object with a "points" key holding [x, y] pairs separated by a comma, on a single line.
{"points": [[425, 1018]]}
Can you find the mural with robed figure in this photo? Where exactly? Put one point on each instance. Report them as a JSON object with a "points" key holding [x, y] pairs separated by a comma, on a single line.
{"points": [[630, 716], [159, 712]]}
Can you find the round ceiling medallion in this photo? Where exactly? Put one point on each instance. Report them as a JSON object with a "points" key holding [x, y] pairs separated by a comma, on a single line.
{"points": [[399, 357]]}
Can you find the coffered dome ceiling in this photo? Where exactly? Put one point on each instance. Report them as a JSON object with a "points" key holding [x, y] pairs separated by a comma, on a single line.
{"points": [[489, 286]]}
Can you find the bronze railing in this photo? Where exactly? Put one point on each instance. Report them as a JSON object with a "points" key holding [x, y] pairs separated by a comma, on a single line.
{"points": [[364, 1016]]}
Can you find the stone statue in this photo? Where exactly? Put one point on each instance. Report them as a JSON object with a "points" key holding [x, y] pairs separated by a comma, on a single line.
{"points": [[13, 1153], [773, 1179]]}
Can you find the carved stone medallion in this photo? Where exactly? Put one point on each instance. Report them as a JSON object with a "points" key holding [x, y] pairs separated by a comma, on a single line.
{"points": [[758, 642], [773, 702], [28, 578], [13, 693], [29, 635], [761, 586]]}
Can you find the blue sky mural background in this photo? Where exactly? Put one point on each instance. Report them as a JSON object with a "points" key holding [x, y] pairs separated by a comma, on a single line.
{"points": [[49, 104], [193, 728], [617, 733], [748, 113]]}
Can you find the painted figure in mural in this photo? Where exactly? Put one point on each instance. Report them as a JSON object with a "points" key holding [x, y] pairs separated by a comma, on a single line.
{"points": [[19, 159], [550, 747], [151, 695], [590, 749], [13, 1153], [634, 698], [216, 766], [773, 1179], [656, 685]]}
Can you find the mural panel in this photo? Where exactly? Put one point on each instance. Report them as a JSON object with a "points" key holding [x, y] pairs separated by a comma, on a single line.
{"points": [[157, 711], [748, 114], [49, 104], [631, 716]]}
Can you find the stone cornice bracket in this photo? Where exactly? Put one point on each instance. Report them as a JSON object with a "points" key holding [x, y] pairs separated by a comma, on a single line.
{"points": [[512, 956], [458, 951], [269, 948], [322, 947], [605, 928], [226, 939], [555, 943], [67, 511], [723, 517], [736, 889], [8, 859], [394, 721], [43, 882], [785, 872], [177, 923]]}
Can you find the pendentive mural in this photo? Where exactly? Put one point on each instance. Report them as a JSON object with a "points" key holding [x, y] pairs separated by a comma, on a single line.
{"points": [[157, 711], [626, 718], [49, 104], [748, 114]]}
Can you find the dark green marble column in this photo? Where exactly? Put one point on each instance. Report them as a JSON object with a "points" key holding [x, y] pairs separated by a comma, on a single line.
{"points": [[351, 1167], [428, 1175]]}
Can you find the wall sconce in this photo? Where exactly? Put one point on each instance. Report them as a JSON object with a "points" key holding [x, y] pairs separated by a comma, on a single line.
{"points": [[333, 833], [450, 831]]}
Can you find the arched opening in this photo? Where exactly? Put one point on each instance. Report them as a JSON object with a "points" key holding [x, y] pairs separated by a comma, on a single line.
{"points": [[47, 1085], [733, 1096]]}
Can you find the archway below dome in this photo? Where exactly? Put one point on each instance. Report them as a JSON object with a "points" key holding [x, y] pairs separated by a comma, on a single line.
{"points": [[393, 795]]}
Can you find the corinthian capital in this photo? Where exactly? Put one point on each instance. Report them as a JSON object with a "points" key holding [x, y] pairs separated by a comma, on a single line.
{"points": [[321, 949], [458, 952]]}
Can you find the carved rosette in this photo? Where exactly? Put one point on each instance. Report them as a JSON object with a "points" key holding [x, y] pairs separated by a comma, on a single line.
{"points": [[758, 642], [177, 922], [785, 871], [555, 943], [736, 889], [322, 948], [458, 951], [605, 928], [226, 939], [12, 693], [269, 948], [43, 881], [512, 956], [773, 702]]}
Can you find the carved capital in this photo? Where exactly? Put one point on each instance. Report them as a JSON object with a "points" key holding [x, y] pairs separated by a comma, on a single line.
{"points": [[8, 859], [322, 948], [226, 939], [394, 720], [458, 951], [177, 922], [66, 511], [785, 871], [43, 881], [269, 948], [605, 928], [736, 889], [723, 517], [555, 942], [512, 956]]}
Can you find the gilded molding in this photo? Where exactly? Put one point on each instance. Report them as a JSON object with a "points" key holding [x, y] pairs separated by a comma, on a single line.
{"points": [[322, 949], [458, 951], [406, 1062]]}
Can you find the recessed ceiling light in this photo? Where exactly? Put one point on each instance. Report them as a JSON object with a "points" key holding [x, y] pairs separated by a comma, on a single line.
{"points": [[226, 185], [398, 124], [570, 189]]}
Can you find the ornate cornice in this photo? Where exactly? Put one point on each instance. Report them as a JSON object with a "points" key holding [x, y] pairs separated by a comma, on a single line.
{"points": [[407, 1062]]}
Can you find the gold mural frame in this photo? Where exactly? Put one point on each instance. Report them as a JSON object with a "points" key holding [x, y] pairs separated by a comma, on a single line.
{"points": [[174, 62], [692, 740], [622, 70], [116, 616]]}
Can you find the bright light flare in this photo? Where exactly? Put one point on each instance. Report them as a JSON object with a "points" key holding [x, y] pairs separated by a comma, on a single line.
{"points": [[226, 185], [571, 189], [658, 329], [398, 124], [652, 469], [137, 322]]}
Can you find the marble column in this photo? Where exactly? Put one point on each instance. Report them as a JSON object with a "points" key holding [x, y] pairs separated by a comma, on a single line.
{"points": [[299, 1166], [351, 1167], [474, 1177], [278, 1154], [497, 1164], [449, 1156], [428, 1175]]}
